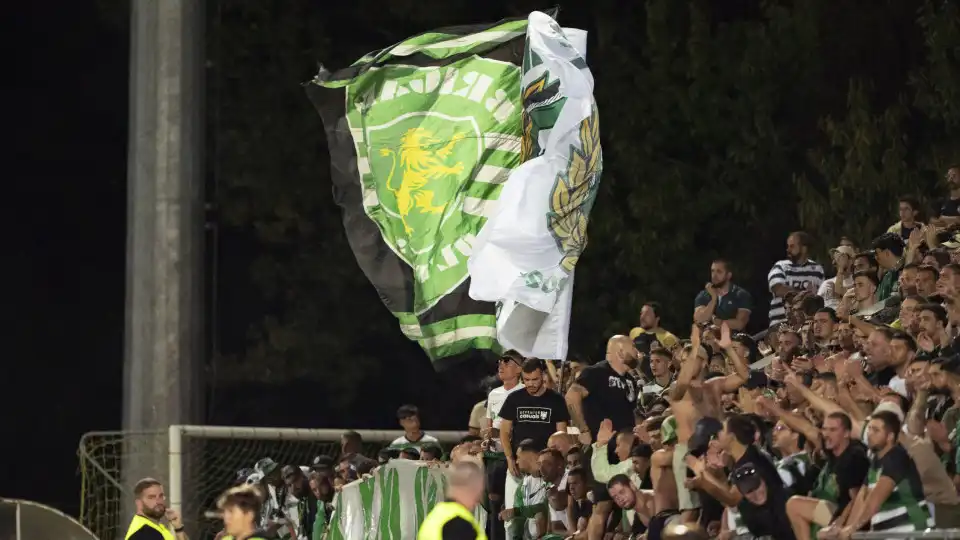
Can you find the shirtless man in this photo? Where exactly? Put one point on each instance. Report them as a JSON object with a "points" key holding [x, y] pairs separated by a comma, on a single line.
{"points": [[692, 398]]}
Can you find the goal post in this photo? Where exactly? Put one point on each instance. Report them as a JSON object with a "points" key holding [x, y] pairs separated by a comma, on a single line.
{"points": [[201, 462]]}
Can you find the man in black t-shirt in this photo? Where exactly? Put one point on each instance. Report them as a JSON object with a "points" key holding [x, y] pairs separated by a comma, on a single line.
{"points": [[534, 413], [763, 506], [606, 390]]}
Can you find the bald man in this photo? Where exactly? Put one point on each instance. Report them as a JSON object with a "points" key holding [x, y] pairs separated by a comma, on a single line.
{"points": [[606, 390], [562, 442], [453, 519]]}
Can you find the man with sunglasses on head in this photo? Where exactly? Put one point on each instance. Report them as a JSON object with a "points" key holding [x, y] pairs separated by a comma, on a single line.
{"points": [[763, 505], [508, 371]]}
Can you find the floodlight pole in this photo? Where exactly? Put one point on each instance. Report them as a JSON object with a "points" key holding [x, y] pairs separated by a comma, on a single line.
{"points": [[164, 333]]}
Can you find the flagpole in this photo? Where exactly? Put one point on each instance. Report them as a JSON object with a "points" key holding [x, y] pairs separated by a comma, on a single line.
{"points": [[164, 330]]}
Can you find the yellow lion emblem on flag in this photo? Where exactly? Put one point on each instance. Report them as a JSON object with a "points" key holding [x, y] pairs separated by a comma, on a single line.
{"points": [[418, 165]]}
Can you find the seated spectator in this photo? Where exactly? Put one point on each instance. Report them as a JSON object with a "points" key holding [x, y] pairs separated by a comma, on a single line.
{"points": [[722, 300], [833, 289], [909, 210], [888, 249], [650, 324]]}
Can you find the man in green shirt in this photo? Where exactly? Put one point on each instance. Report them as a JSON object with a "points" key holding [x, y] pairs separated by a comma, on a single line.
{"points": [[888, 248]]}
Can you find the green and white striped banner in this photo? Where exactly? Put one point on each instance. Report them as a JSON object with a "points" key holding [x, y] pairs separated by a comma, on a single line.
{"points": [[390, 504]]}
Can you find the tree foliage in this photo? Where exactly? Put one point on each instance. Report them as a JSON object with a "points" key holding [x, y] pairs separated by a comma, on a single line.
{"points": [[724, 127]]}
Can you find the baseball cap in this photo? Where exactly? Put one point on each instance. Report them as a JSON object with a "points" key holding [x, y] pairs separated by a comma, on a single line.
{"points": [[511, 355], [747, 478], [757, 379], [265, 466], [668, 430], [706, 429], [846, 250]]}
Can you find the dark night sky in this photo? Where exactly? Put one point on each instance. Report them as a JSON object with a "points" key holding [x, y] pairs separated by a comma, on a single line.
{"points": [[67, 214]]}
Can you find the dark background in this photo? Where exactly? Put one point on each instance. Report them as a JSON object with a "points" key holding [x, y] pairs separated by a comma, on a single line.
{"points": [[725, 125]]}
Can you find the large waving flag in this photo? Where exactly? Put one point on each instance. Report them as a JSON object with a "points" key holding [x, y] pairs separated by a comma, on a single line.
{"points": [[524, 258], [422, 136]]}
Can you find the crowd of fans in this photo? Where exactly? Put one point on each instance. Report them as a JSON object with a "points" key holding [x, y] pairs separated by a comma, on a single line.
{"points": [[842, 417]]}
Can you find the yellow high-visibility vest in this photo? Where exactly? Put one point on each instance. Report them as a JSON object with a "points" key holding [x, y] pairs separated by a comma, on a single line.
{"points": [[140, 522], [432, 528]]}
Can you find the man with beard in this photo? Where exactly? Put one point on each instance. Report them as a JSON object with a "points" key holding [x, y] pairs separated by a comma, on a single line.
{"points": [[531, 415], [605, 390], [151, 512], [722, 300], [508, 371], [797, 273], [893, 501], [305, 512], [626, 496], [692, 398], [650, 324]]}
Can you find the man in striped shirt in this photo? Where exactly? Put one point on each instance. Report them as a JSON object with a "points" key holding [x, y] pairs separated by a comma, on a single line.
{"points": [[796, 273], [894, 500]]}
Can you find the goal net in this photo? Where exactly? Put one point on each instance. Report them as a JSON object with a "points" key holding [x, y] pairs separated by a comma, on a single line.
{"points": [[196, 464]]}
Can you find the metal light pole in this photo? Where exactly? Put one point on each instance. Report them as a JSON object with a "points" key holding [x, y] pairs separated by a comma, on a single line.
{"points": [[164, 334]]}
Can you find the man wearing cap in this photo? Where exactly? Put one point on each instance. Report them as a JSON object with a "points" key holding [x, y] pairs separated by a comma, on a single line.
{"points": [[508, 371], [763, 504], [271, 484], [833, 289]]}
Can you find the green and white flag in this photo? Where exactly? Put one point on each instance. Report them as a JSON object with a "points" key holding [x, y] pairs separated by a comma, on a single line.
{"points": [[524, 258], [390, 504], [422, 136]]}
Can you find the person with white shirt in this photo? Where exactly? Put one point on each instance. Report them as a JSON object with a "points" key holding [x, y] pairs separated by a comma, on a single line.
{"points": [[833, 289], [797, 273], [413, 436], [508, 371]]}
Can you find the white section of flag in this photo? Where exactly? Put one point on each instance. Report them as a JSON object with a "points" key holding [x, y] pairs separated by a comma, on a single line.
{"points": [[515, 241]]}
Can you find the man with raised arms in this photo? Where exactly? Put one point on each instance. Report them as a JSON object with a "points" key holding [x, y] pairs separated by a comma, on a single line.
{"points": [[692, 398]]}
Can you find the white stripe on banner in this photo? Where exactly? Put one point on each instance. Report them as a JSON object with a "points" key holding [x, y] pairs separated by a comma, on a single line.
{"points": [[490, 174], [363, 166], [493, 36], [411, 330], [459, 334], [502, 142], [357, 134], [370, 198], [476, 206], [398, 502]]}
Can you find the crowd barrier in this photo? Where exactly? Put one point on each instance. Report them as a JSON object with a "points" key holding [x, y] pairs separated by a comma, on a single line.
{"points": [[391, 503]]}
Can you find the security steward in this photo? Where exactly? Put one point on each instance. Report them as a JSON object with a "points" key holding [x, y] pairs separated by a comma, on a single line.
{"points": [[152, 510], [453, 519], [241, 507]]}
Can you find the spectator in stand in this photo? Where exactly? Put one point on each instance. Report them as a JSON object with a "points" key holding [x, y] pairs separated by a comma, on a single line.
{"points": [[833, 289], [413, 436], [865, 261], [909, 209], [888, 248], [908, 279], [478, 415], [949, 283], [605, 390], [351, 449], [933, 336], [301, 515], [530, 416], [950, 209], [797, 273], [579, 507], [530, 508], [937, 258], [431, 453], [650, 324], [862, 297], [722, 300], [321, 486], [894, 500]]}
